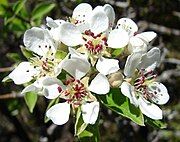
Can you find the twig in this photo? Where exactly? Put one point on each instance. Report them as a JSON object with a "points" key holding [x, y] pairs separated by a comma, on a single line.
{"points": [[6, 69], [11, 95], [159, 28]]}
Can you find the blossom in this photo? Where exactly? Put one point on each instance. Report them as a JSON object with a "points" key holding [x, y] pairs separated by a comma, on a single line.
{"points": [[105, 66], [77, 93], [95, 37], [43, 64], [138, 42], [140, 86]]}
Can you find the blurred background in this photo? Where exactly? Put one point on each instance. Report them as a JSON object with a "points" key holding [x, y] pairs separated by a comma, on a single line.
{"points": [[17, 124]]}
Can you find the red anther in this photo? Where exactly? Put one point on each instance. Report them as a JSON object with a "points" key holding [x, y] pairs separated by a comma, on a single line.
{"points": [[92, 34], [89, 42], [135, 33], [76, 22], [104, 39], [59, 89], [87, 32]]}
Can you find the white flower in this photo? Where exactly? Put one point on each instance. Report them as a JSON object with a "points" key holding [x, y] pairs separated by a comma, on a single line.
{"points": [[141, 89], [82, 13], [54, 26], [104, 66], [95, 38], [43, 64], [77, 92], [138, 42]]}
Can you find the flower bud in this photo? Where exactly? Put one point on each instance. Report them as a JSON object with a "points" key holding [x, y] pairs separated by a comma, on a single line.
{"points": [[115, 79]]}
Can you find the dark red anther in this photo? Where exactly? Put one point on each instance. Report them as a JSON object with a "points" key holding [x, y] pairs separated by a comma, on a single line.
{"points": [[59, 89], [89, 42], [87, 32], [135, 33]]}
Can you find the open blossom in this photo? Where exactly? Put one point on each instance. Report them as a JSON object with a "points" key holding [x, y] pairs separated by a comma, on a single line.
{"points": [[43, 64], [138, 42], [77, 93], [140, 86], [95, 37]]}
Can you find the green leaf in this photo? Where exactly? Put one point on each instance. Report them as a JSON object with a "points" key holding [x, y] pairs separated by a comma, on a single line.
{"points": [[18, 6], [13, 57], [30, 99], [155, 123], [80, 126], [91, 134], [120, 104], [60, 54], [117, 52], [42, 9], [27, 53], [6, 79]]}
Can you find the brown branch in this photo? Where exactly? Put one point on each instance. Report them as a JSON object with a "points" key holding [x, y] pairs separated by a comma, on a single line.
{"points": [[11, 95], [159, 28], [6, 69]]}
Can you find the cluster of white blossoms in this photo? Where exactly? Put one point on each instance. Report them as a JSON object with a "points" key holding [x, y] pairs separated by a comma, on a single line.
{"points": [[88, 38]]}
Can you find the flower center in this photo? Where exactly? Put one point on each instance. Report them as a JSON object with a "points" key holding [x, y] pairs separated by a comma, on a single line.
{"points": [[75, 92], [45, 64], [95, 44], [142, 82]]}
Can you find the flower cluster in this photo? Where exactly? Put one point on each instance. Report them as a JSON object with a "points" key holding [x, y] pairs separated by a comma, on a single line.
{"points": [[73, 60]]}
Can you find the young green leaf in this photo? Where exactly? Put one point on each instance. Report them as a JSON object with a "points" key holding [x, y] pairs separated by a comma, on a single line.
{"points": [[6, 79], [60, 54], [121, 105], [80, 126], [30, 99], [42, 9], [155, 123], [91, 134], [27, 53], [18, 6]]}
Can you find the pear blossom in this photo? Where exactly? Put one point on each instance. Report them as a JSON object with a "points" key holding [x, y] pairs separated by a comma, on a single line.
{"points": [[95, 39], [43, 64], [77, 93], [140, 87], [54, 26], [104, 66], [138, 42]]}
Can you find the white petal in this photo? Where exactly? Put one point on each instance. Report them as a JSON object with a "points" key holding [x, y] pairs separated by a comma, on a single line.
{"points": [[107, 66], [150, 60], [99, 84], [39, 41], [59, 113], [118, 38], [149, 109], [136, 45], [131, 63], [147, 36], [76, 54], [70, 35], [50, 87], [128, 25], [108, 9], [53, 23], [23, 73], [90, 112], [128, 91], [30, 88], [81, 14], [99, 22], [76, 67], [160, 92], [81, 9]]}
